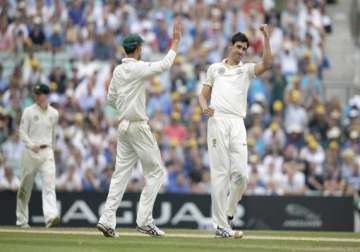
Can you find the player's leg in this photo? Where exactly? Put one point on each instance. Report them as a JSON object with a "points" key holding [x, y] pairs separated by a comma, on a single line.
{"points": [[125, 162], [47, 171], [28, 165], [154, 172], [218, 147], [238, 166]]}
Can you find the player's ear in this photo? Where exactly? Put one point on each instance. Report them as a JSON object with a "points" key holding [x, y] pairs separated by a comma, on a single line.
{"points": [[139, 50]]}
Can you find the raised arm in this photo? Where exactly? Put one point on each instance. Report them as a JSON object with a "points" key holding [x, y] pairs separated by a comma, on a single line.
{"points": [[266, 61], [151, 68]]}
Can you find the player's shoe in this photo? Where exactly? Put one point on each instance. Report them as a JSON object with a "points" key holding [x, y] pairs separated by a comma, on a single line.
{"points": [[107, 231], [230, 221], [228, 233], [53, 222], [24, 226], [151, 230]]}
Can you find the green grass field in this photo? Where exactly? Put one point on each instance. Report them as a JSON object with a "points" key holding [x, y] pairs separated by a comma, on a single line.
{"points": [[90, 240]]}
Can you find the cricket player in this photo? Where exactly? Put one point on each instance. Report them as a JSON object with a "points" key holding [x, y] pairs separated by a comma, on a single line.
{"points": [[226, 86], [37, 131], [135, 141]]}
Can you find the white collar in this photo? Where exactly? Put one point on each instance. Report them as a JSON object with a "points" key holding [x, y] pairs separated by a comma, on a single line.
{"points": [[240, 63], [125, 60]]}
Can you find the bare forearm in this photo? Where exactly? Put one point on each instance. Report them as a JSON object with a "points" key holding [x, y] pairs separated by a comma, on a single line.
{"points": [[203, 102], [266, 61], [175, 45], [267, 55]]}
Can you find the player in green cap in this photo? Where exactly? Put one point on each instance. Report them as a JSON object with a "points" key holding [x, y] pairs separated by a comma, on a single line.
{"points": [[37, 131], [135, 141]]}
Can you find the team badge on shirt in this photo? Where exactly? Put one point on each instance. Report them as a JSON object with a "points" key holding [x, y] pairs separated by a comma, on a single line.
{"points": [[36, 118]]}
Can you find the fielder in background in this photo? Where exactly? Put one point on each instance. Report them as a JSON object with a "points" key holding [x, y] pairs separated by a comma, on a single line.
{"points": [[37, 131], [226, 86], [135, 141]]}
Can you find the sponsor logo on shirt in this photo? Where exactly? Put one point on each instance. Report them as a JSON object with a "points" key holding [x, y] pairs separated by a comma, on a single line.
{"points": [[214, 142]]}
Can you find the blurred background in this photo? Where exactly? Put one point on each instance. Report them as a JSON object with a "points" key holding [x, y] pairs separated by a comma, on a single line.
{"points": [[303, 119]]}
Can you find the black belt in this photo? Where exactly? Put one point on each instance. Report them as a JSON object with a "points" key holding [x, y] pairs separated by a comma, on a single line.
{"points": [[43, 146]]}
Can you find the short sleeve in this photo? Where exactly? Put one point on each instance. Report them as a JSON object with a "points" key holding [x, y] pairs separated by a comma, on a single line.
{"points": [[209, 80], [251, 70]]}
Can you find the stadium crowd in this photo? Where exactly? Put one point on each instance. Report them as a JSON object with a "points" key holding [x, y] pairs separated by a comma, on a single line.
{"points": [[299, 142]]}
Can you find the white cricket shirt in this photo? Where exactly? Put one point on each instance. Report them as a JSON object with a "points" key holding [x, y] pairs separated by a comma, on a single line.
{"points": [[230, 86], [37, 126], [127, 89]]}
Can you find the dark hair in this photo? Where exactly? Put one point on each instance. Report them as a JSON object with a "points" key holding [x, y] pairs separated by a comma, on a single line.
{"points": [[241, 37], [132, 49]]}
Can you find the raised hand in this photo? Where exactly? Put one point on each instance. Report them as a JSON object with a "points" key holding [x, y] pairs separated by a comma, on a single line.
{"points": [[177, 30], [265, 30]]}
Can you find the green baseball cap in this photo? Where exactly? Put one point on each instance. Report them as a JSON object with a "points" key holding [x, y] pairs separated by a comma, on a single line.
{"points": [[41, 89], [132, 41]]}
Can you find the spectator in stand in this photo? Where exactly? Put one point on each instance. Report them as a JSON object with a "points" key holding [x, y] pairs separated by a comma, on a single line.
{"points": [[105, 179], [160, 100], [70, 180], [6, 38], [56, 40], [274, 159], [294, 182], [256, 184], [89, 182], [278, 85], [333, 184], [177, 179], [274, 135], [295, 113], [314, 154], [37, 34], [175, 131], [8, 181], [318, 122], [76, 12]]}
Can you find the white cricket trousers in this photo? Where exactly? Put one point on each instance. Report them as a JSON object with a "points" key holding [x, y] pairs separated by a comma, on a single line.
{"points": [[228, 165], [135, 143], [32, 163]]}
